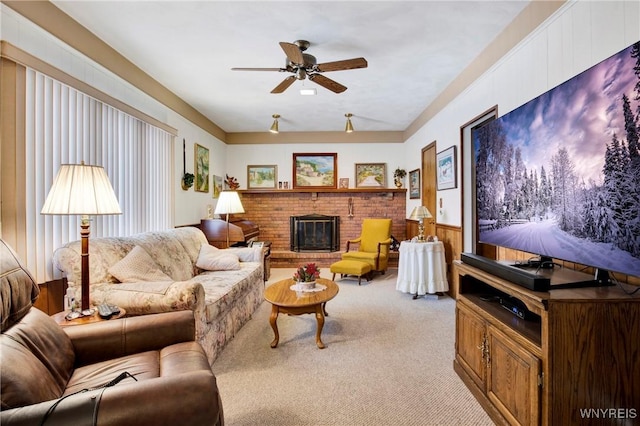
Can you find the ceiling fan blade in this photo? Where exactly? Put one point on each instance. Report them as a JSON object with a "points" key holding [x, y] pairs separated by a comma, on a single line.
{"points": [[327, 83], [284, 84], [347, 64], [259, 69], [293, 52]]}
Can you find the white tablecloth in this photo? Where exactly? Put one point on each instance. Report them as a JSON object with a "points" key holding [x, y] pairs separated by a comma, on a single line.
{"points": [[422, 268]]}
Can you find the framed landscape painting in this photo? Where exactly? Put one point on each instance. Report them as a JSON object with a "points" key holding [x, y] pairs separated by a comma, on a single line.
{"points": [[371, 175], [262, 177], [202, 169], [315, 170]]}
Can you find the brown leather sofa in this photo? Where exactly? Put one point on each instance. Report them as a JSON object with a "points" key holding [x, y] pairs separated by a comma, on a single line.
{"points": [[57, 376]]}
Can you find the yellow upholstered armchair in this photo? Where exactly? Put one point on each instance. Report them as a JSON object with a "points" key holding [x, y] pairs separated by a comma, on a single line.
{"points": [[373, 244]]}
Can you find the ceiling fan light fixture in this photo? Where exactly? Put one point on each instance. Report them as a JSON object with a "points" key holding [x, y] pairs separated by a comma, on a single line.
{"points": [[308, 91], [274, 126], [349, 126]]}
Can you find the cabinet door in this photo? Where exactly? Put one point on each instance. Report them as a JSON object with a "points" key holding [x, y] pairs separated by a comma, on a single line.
{"points": [[470, 343], [512, 379]]}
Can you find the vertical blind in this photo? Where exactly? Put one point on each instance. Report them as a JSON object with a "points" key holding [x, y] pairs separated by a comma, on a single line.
{"points": [[66, 126]]}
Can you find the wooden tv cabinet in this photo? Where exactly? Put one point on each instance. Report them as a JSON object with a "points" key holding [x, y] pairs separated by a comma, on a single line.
{"points": [[579, 351]]}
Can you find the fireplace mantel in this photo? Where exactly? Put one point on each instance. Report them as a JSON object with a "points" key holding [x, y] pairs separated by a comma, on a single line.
{"points": [[386, 192], [320, 190]]}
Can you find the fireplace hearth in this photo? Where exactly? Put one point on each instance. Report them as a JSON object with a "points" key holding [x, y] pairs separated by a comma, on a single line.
{"points": [[314, 232]]}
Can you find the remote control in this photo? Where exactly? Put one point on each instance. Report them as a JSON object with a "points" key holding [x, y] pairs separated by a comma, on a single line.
{"points": [[114, 309], [105, 311]]}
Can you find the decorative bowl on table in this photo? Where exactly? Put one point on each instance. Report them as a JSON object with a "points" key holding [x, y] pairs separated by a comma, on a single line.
{"points": [[306, 285]]}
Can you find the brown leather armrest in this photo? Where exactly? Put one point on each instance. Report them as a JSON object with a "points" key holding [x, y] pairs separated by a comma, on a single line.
{"points": [[163, 400], [115, 338]]}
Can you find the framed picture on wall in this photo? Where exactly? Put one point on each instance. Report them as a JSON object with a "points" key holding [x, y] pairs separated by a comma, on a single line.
{"points": [[414, 184], [217, 186], [262, 177], [371, 175], [344, 183], [315, 170], [202, 168], [446, 169]]}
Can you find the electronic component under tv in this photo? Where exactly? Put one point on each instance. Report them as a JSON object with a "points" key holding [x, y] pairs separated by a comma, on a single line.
{"points": [[559, 176], [515, 306]]}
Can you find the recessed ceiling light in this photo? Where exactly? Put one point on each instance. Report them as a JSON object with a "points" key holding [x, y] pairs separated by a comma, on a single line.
{"points": [[307, 91]]}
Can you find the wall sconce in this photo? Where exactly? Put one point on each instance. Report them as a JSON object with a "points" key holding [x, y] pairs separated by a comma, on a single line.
{"points": [[274, 126], [349, 127]]}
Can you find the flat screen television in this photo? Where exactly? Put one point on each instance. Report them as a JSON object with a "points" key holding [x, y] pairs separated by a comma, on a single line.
{"points": [[559, 176]]}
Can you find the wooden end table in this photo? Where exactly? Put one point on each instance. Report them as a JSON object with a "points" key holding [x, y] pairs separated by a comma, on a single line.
{"points": [[287, 301], [63, 322]]}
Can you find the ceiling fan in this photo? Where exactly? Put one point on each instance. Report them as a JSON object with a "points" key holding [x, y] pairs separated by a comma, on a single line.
{"points": [[303, 65]]}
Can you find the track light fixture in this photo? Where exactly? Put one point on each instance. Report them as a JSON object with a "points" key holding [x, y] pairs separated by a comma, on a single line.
{"points": [[349, 127], [274, 126]]}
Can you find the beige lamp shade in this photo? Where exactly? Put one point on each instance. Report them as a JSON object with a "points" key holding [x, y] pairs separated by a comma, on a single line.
{"points": [[229, 202], [420, 212], [80, 189]]}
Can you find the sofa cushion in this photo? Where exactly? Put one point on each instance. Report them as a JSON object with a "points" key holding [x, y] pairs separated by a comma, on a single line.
{"points": [[175, 251], [212, 259], [222, 288], [138, 266]]}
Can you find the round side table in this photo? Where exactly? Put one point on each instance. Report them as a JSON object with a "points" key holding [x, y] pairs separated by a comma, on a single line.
{"points": [[63, 322]]}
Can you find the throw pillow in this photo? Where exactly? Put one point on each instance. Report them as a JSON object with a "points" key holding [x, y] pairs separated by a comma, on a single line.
{"points": [[138, 266], [212, 259]]}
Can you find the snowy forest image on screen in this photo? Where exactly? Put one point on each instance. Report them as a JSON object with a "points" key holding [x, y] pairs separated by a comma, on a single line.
{"points": [[560, 175]]}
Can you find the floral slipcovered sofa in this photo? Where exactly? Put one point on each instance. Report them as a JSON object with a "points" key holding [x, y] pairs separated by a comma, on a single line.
{"points": [[172, 270]]}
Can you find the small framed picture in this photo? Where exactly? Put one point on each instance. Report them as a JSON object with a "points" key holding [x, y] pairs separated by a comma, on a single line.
{"points": [[262, 177], [414, 184], [371, 175], [344, 183], [446, 169], [217, 186]]}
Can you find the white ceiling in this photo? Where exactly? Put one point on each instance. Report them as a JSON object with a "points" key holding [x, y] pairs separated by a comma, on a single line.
{"points": [[414, 50]]}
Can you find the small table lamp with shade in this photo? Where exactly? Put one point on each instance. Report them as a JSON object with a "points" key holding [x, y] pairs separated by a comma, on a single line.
{"points": [[420, 213], [84, 190], [228, 203]]}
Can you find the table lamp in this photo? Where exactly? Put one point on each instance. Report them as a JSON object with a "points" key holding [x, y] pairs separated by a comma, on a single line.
{"points": [[229, 202], [84, 190], [419, 213]]}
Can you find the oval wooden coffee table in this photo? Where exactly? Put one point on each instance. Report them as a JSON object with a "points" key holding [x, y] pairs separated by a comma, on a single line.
{"points": [[287, 301]]}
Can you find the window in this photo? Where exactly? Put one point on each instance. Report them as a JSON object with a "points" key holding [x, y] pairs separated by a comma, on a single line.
{"points": [[64, 125]]}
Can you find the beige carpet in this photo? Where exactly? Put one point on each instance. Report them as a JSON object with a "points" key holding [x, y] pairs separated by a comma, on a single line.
{"points": [[388, 361]]}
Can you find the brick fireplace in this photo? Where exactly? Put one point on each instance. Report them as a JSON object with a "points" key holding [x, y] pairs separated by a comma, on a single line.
{"points": [[271, 211]]}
